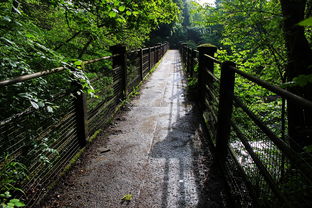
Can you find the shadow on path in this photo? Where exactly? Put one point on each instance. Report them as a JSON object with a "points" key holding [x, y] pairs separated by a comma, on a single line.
{"points": [[188, 162]]}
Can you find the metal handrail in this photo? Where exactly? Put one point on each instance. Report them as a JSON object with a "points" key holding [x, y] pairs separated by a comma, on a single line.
{"points": [[273, 88], [26, 77], [297, 160]]}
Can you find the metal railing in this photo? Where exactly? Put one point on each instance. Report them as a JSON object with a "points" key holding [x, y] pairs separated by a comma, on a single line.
{"points": [[256, 153], [46, 132]]}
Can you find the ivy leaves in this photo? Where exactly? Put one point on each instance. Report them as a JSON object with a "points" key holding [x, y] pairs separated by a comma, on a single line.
{"points": [[306, 22]]}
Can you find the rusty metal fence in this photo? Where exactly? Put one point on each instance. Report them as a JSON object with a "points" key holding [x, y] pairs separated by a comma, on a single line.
{"points": [[263, 165], [45, 134]]}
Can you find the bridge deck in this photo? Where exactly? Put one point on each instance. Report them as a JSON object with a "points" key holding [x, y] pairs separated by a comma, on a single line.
{"points": [[153, 151]]}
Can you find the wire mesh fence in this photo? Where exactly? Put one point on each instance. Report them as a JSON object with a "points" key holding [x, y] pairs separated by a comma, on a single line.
{"points": [[274, 167], [46, 127]]}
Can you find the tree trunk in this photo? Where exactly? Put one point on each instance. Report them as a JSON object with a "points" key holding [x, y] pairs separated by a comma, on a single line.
{"points": [[299, 55]]}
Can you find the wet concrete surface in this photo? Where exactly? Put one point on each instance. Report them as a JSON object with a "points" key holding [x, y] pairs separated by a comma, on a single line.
{"points": [[154, 151]]}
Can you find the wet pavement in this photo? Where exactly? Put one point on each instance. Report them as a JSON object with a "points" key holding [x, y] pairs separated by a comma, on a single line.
{"points": [[154, 151]]}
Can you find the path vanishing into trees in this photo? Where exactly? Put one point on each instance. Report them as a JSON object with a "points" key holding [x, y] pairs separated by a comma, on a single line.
{"points": [[153, 150]]}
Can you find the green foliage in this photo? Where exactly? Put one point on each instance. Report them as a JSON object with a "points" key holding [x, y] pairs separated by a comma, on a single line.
{"points": [[10, 203], [306, 22], [11, 173], [301, 81], [41, 35]]}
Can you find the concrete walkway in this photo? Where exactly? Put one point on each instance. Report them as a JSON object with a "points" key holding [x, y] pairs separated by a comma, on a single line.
{"points": [[154, 152]]}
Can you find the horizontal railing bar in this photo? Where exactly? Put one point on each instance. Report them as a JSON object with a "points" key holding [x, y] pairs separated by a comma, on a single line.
{"points": [[213, 59], [44, 73], [133, 51], [30, 76], [99, 59], [283, 93]]}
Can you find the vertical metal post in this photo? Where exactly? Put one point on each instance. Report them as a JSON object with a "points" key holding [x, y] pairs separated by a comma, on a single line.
{"points": [[141, 63], [121, 60], [192, 62], [81, 114], [225, 111], [183, 52], [158, 47], [186, 58], [204, 64], [149, 59], [155, 54], [189, 60]]}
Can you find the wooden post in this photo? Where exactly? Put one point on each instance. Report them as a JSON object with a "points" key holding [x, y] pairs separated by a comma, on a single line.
{"points": [[204, 64], [186, 58], [158, 52], [155, 55], [225, 111], [81, 113], [141, 63], [149, 59], [189, 60], [183, 52], [192, 63], [165, 48], [120, 60]]}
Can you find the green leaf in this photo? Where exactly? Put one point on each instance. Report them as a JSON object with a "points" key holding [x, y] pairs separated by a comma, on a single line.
{"points": [[6, 195], [30, 35], [17, 203], [78, 63], [121, 20], [41, 104], [16, 10], [127, 197], [10, 205], [303, 80], [308, 148], [306, 22], [50, 109], [6, 18], [112, 14], [122, 8], [116, 3], [34, 104], [128, 12]]}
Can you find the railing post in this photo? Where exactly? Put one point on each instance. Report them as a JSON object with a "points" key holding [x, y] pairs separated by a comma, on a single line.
{"points": [[81, 113], [149, 59], [192, 63], [141, 63], [225, 111], [120, 60], [155, 55], [183, 52], [157, 52], [189, 60], [186, 58], [203, 64]]}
